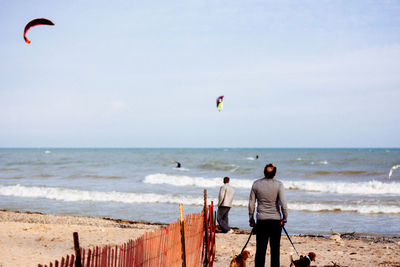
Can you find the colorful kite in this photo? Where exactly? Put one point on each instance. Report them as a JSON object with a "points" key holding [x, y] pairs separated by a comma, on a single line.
{"points": [[33, 23], [220, 103]]}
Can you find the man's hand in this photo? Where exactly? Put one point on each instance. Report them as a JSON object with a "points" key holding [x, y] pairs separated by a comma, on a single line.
{"points": [[252, 223], [283, 222]]}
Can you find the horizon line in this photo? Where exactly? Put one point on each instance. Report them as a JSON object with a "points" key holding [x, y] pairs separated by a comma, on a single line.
{"points": [[116, 147]]}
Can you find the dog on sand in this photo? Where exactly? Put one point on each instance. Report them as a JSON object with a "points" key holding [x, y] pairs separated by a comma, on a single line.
{"points": [[304, 261], [240, 260]]}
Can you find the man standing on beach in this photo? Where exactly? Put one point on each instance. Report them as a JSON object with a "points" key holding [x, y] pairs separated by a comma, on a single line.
{"points": [[225, 199], [271, 215]]}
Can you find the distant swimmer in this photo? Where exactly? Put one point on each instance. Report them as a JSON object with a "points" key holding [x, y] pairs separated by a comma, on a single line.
{"points": [[178, 164], [256, 156]]}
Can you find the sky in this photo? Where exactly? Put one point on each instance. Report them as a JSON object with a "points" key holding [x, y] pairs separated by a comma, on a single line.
{"points": [[147, 74]]}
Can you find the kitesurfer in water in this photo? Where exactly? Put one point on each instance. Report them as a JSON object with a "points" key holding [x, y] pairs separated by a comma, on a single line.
{"points": [[178, 164]]}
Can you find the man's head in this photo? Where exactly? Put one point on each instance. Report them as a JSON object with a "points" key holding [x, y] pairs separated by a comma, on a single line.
{"points": [[226, 180], [270, 171]]}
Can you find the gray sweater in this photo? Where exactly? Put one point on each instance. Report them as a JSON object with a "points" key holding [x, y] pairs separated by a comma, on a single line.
{"points": [[225, 196], [271, 200]]}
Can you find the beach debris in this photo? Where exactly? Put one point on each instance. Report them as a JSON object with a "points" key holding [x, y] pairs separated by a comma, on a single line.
{"points": [[335, 236], [33, 23], [220, 103], [334, 264], [40, 239], [392, 169], [348, 235]]}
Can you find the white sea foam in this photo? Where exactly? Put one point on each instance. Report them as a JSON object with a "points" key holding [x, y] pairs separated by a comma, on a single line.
{"points": [[234, 168], [202, 182], [73, 195], [250, 158], [358, 188], [367, 209], [323, 162], [318, 207]]}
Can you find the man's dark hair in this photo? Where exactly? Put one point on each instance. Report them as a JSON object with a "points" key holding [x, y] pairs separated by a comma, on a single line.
{"points": [[270, 171], [226, 180]]}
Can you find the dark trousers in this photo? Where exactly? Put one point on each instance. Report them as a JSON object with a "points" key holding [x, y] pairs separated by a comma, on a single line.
{"points": [[222, 218], [268, 230]]}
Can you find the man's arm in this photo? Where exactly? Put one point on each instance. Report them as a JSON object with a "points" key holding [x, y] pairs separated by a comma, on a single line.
{"points": [[252, 203], [221, 195], [282, 200]]}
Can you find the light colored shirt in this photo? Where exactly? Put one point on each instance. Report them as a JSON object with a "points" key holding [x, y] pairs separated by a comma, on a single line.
{"points": [[271, 200], [225, 196]]}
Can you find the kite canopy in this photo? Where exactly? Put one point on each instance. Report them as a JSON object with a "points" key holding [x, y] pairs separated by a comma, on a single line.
{"points": [[220, 103], [33, 23]]}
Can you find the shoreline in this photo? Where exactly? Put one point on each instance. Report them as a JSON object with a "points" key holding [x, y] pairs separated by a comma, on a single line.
{"points": [[29, 238], [124, 223]]}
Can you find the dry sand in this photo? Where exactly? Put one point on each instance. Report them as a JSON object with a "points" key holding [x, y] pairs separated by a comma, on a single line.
{"points": [[27, 239]]}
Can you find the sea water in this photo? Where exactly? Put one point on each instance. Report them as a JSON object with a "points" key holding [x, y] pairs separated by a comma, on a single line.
{"points": [[342, 190]]}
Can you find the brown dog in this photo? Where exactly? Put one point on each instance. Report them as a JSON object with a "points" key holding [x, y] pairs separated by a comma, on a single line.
{"points": [[304, 261], [240, 260]]}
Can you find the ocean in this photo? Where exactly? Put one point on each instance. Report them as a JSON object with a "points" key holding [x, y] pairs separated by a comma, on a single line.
{"points": [[341, 190]]}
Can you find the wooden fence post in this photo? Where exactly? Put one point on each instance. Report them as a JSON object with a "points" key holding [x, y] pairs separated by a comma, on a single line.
{"points": [[183, 237], [205, 229], [212, 233], [78, 262]]}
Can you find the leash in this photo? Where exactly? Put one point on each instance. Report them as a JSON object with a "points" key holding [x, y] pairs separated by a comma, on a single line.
{"points": [[252, 231], [245, 245], [289, 240]]}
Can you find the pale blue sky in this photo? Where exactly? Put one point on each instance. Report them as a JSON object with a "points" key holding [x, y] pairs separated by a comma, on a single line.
{"points": [[147, 74]]}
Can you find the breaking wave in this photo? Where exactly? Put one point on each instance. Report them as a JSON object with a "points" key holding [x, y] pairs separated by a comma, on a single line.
{"points": [[73, 195], [358, 188], [202, 182], [365, 209]]}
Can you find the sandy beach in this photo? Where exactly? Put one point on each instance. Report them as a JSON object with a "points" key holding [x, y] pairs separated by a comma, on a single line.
{"points": [[27, 239]]}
